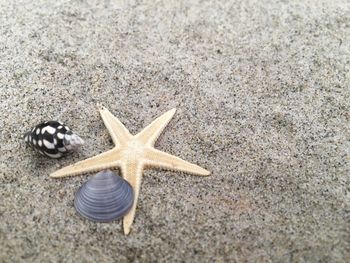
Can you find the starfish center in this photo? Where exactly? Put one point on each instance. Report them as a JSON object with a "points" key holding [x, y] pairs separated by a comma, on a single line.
{"points": [[134, 150]]}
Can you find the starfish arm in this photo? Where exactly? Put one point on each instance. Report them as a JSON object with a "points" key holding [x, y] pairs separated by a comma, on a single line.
{"points": [[115, 128], [156, 158], [132, 172], [150, 134], [100, 162]]}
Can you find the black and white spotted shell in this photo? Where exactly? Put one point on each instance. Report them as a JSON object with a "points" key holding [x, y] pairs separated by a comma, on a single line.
{"points": [[53, 139]]}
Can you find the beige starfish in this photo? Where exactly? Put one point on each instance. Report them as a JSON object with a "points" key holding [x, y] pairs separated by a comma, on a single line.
{"points": [[132, 154]]}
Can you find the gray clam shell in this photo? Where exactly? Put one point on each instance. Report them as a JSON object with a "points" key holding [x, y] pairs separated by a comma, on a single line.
{"points": [[104, 197]]}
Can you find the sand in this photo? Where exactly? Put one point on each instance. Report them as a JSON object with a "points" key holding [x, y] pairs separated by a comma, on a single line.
{"points": [[262, 94]]}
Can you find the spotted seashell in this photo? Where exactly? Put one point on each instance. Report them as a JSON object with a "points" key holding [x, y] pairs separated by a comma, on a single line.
{"points": [[53, 139], [104, 197]]}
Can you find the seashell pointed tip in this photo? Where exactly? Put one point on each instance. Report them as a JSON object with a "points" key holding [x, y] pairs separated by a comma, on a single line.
{"points": [[77, 141]]}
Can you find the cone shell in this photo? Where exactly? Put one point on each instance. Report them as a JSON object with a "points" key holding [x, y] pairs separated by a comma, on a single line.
{"points": [[52, 139], [104, 197]]}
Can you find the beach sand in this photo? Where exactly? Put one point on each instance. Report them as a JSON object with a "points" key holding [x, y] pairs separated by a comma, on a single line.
{"points": [[262, 94]]}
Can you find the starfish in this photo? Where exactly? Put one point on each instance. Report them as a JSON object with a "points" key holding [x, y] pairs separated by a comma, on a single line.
{"points": [[132, 154]]}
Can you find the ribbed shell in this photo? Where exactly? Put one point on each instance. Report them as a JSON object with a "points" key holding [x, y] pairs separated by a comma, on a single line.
{"points": [[52, 139], [104, 197]]}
